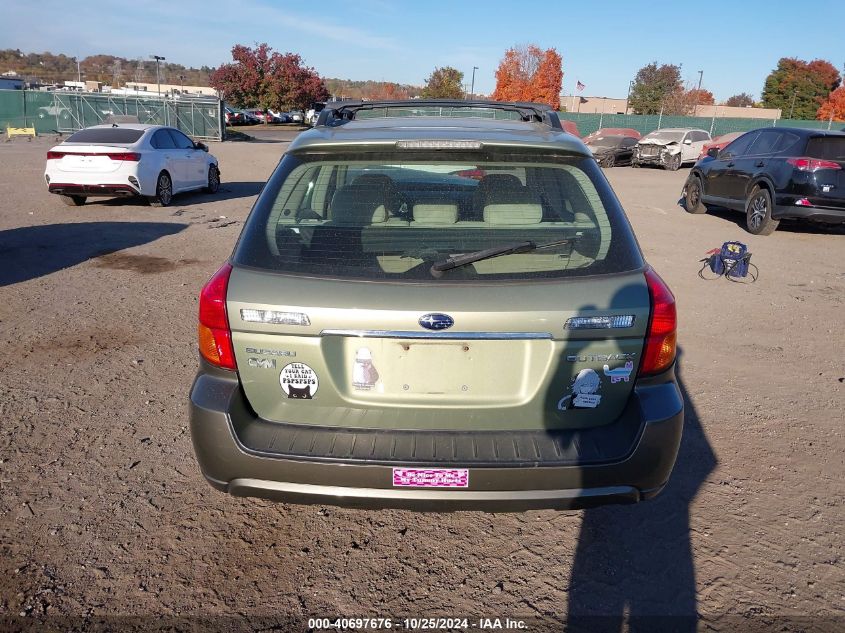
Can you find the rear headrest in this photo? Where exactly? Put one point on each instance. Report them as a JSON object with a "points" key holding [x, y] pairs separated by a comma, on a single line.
{"points": [[383, 184], [498, 182], [513, 206], [435, 213], [358, 205]]}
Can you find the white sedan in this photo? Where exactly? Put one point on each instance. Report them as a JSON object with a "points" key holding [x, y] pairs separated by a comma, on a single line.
{"points": [[129, 160]]}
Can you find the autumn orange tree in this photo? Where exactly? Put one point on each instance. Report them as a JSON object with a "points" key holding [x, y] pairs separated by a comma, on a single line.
{"points": [[529, 73], [833, 105]]}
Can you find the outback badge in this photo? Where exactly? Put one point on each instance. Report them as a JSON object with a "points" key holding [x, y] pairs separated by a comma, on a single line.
{"points": [[436, 321]]}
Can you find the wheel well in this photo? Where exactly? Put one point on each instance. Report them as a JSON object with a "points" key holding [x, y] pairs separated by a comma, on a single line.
{"points": [[762, 184]]}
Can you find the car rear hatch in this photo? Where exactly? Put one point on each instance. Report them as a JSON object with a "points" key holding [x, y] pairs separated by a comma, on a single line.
{"points": [[338, 317], [826, 162], [509, 361]]}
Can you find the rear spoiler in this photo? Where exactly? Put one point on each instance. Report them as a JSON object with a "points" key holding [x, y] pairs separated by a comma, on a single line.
{"points": [[340, 112]]}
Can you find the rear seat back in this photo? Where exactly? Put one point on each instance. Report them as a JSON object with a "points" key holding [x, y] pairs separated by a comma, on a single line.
{"points": [[435, 214], [513, 206]]}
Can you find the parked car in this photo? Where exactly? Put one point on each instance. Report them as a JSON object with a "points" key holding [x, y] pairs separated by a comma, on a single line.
{"points": [[279, 116], [719, 142], [296, 116], [234, 117], [129, 160], [250, 118], [611, 131], [260, 115], [571, 127], [670, 147], [773, 174], [610, 151], [389, 332], [313, 113]]}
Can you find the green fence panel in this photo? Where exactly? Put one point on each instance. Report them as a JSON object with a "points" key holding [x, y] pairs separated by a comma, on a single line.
{"points": [[645, 123], [65, 112]]}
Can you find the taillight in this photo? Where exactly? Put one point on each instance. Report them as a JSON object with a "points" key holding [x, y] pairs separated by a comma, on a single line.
{"points": [[55, 155], [659, 349], [131, 156], [812, 164], [215, 337]]}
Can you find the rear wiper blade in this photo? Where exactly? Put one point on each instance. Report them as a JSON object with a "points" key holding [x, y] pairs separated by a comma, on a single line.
{"points": [[438, 268]]}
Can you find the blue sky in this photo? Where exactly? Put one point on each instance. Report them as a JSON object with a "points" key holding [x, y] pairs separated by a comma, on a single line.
{"points": [[603, 44]]}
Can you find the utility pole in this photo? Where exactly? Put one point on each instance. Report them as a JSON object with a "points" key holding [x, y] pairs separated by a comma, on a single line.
{"points": [[181, 84], [792, 107], [472, 89], [158, 59], [78, 72]]}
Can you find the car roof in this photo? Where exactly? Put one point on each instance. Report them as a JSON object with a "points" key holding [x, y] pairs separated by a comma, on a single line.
{"points": [[386, 131], [126, 126]]}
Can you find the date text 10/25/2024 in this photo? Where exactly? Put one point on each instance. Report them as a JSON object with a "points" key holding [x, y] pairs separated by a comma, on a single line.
{"points": [[416, 624]]}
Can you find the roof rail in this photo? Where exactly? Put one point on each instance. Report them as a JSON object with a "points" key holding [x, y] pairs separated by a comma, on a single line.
{"points": [[340, 112]]}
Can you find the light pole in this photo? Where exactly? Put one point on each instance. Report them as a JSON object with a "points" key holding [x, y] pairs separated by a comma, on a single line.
{"points": [[78, 72], [628, 98], [158, 59], [472, 89], [181, 84], [792, 107], [698, 92]]}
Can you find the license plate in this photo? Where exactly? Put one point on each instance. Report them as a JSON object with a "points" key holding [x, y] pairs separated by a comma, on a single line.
{"points": [[431, 477]]}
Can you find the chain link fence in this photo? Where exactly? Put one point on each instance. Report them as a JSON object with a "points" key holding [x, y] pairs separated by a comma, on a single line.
{"points": [[717, 126], [65, 112]]}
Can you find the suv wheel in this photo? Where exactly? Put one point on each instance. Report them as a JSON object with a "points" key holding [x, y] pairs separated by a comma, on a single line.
{"points": [[692, 196], [164, 191], [73, 201], [758, 211], [674, 163], [213, 179]]}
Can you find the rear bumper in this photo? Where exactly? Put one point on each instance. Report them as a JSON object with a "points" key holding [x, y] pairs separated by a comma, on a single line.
{"points": [[785, 209], [93, 190], [217, 408]]}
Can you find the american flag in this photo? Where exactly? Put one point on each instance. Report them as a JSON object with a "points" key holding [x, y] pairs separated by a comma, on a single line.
{"points": [[579, 86]]}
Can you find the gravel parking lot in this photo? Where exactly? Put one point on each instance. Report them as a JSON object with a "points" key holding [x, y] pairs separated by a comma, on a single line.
{"points": [[103, 511]]}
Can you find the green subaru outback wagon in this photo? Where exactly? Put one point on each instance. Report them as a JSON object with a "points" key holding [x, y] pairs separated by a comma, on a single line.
{"points": [[437, 305]]}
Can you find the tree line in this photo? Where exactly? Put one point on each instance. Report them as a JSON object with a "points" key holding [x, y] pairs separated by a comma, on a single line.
{"points": [[800, 89], [261, 77], [110, 70]]}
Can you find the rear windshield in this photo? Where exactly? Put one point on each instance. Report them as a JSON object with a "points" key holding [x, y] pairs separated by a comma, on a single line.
{"points": [[606, 141], [391, 217], [827, 147], [106, 135]]}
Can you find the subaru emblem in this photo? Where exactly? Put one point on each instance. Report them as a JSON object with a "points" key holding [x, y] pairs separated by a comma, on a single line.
{"points": [[436, 321]]}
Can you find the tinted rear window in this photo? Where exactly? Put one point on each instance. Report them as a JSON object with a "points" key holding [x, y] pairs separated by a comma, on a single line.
{"points": [[106, 135], [391, 217], [827, 147]]}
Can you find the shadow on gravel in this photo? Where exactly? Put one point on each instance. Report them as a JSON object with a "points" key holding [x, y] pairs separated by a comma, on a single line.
{"points": [[34, 251], [227, 191], [633, 567]]}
